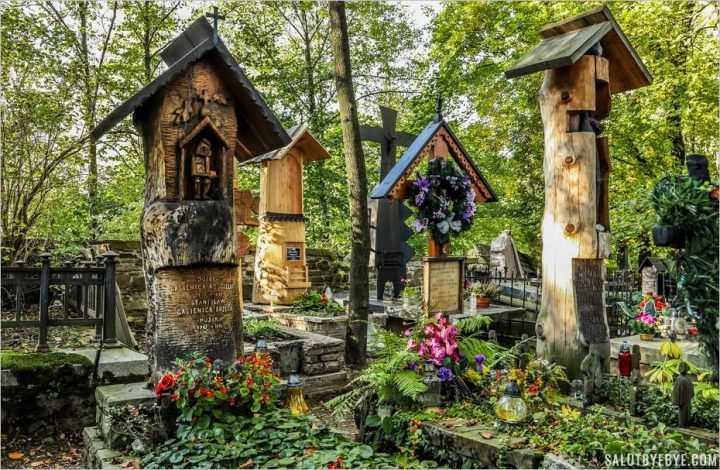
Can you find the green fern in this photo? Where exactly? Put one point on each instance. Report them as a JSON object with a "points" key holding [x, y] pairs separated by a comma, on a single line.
{"points": [[409, 383], [471, 325], [470, 347]]}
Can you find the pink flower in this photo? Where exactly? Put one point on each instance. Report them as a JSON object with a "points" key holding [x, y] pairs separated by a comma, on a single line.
{"points": [[448, 332], [411, 343], [423, 350], [407, 332], [430, 329]]}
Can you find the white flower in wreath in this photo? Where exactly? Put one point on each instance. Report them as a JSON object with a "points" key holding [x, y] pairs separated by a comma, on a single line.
{"points": [[449, 224]]}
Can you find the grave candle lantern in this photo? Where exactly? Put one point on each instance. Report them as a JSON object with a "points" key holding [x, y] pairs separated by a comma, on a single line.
{"points": [[625, 360], [511, 408]]}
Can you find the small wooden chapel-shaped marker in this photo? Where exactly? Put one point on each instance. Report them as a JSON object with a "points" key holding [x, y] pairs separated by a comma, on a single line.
{"points": [[443, 276], [195, 119], [586, 59], [280, 254]]}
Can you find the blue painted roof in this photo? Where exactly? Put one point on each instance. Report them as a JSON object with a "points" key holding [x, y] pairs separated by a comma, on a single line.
{"points": [[383, 189]]}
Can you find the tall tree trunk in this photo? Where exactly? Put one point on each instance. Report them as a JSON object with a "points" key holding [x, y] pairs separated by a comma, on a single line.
{"points": [[89, 117], [356, 337]]}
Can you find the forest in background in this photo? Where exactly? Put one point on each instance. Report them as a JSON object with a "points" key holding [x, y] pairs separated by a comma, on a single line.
{"points": [[66, 65]]}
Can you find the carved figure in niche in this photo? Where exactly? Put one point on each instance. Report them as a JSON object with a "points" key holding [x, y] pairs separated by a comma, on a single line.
{"points": [[201, 172]]}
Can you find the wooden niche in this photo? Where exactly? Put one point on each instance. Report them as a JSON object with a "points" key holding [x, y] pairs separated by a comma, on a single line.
{"points": [[280, 266], [188, 118]]}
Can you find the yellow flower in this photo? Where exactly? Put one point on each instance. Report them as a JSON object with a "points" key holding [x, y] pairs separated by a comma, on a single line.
{"points": [[568, 413]]}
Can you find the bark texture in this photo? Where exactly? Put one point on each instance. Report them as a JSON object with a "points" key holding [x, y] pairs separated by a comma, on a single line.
{"points": [[356, 338]]}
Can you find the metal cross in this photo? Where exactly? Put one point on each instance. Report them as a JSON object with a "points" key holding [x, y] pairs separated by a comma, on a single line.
{"points": [[389, 233], [387, 137], [214, 15]]}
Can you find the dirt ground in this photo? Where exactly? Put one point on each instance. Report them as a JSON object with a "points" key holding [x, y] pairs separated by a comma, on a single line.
{"points": [[33, 451]]}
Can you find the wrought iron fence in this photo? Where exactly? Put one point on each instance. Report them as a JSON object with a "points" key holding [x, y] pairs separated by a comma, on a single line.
{"points": [[87, 291], [526, 292]]}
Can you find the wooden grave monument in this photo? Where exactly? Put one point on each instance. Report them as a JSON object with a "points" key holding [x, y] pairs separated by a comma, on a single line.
{"points": [[585, 60], [280, 254], [443, 275], [195, 119], [388, 232]]}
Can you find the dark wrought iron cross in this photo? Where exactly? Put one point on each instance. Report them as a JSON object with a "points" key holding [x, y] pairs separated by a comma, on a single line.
{"points": [[389, 233], [215, 16], [387, 137]]}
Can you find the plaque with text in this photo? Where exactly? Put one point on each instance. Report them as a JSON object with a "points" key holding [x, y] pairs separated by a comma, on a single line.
{"points": [[198, 309], [443, 281]]}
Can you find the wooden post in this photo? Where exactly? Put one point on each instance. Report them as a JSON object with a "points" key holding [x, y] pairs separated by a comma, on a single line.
{"points": [[42, 345], [569, 229]]}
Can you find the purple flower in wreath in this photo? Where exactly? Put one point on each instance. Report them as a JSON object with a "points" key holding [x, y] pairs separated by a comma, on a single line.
{"points": [[420, 198], [469, 211], [423, 184], [445, 374], [465, 181], [413, 366], [420, 224], [470, 195]]}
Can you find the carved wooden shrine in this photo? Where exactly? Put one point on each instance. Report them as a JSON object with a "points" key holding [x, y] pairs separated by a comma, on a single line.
{"points": [[195, 119], [280, 255], [442, 275], [585, 59], [388, 232]]}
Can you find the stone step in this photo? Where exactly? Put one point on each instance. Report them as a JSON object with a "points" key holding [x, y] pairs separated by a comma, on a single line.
{"points": [[97, 455], [117, 365], [113, 398]]}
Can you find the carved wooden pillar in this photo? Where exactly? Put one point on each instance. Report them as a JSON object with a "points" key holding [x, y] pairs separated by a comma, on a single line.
{"points": [[570, 237]]}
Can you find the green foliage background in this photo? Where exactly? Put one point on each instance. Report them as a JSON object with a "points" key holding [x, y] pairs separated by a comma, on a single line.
{"points": [[400, 60]]}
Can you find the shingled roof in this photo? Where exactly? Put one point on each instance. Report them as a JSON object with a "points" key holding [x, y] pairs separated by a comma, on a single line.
{"points": [[301, 138], [260, 131], [418, 150], [564, 42]]}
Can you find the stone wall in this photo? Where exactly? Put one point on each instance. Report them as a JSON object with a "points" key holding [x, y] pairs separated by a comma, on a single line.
{"points": [[324, 268]]}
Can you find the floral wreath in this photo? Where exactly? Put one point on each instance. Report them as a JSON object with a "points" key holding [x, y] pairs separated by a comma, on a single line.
{"points": [[444, 199]]}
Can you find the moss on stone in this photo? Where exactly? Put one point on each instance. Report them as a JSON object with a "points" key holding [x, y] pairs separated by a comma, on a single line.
{"points": [[39, 368]]}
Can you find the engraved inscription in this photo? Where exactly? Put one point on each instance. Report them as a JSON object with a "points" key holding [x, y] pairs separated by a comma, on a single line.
{"points": [[442, 286], [588, 283], [196, 311]]}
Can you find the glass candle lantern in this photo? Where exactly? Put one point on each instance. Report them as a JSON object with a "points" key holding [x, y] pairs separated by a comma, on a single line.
{"points": [[625, 360], [433, 395], [511, 408], [294, 399], [261, 348]]}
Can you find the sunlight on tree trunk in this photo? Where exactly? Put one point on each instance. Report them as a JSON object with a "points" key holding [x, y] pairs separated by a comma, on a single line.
{"points": [[356, 337]]}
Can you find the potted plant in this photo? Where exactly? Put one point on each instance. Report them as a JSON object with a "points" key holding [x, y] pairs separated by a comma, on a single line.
{"points": [[484, 292], [647, 321]]}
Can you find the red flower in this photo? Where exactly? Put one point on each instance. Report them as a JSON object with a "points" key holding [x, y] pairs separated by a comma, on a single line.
{"points": [[532, 389], [415, 422], [249, 382], [166, 383], [223, 389], [324, 299], [218, 379], [174, 397], [337, 463], [232, 401], [209, 394], [267, 384]]}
